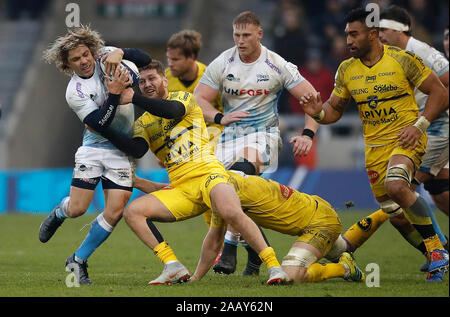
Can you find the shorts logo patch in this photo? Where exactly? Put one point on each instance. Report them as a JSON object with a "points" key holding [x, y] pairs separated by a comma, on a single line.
{"points": [[373, 176], [211, 177], [365, 224], [286, 191]]}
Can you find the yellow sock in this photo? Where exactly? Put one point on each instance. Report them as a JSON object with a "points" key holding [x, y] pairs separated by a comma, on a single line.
{"points": [[358, 233], [164, 252], [433, 243], [317, 272], [268, 257]]}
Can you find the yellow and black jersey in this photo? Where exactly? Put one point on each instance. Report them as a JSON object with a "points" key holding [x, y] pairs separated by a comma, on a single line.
{"points": [[383, 92], [273, 205], [175, 84], [180, 144]]}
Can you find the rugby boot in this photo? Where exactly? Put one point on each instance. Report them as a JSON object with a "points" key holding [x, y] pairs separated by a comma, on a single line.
{"points": [[251, 269], [278, 277], [436, 276], [353, 273], [426, 265], [173, 273], [438, 260], [79, 269], [227, 263], [49, 225]]}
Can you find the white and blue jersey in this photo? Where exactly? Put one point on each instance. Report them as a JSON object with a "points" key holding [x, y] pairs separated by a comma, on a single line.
{"points": [[439, 64], [253, 87], [85, 95]]}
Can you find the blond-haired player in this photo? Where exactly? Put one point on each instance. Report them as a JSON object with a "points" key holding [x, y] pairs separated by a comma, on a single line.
{"points": [[174, 129], [96, 101], [381, 79], [250, 79]]}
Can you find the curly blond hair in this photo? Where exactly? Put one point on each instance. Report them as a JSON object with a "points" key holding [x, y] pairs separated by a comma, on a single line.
{"points": [[58, 51]]}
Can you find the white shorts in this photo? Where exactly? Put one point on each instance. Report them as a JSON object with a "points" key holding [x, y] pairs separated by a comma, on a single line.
{"points": [[92, 162], [436, 157], [266, 143]]}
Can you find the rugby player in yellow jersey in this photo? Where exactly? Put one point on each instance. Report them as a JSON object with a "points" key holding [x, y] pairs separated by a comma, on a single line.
{"points": [[381, 79], [288, 211], [184, 71], [183, 74], [174, 129]]}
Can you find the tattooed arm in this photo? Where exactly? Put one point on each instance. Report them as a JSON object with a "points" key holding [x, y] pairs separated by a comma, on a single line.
{"points": [[325, 113]]}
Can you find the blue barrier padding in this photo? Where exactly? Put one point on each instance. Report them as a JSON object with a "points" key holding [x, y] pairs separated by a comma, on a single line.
{"points": [[39, 191]]}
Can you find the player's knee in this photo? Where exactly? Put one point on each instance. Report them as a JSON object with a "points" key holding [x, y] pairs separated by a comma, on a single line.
{"points": [[130, 212], [76, 209], [296, 262], [436, 186], [397, 190]]}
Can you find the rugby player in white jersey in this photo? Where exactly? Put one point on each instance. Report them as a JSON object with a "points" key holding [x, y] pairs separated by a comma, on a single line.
{"points": [[250, 79], [96, 101], [395, 29]]}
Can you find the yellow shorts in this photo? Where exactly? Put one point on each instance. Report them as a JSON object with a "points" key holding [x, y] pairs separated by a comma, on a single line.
{"points": [[377, 160], [324, 228], [189, 196]]}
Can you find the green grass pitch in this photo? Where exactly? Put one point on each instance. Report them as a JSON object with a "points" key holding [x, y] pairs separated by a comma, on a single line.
{"points": [[122, 266]]}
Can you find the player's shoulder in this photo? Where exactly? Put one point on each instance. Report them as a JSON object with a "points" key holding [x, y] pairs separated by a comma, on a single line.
{"points": [[347, 64], [75, 88], [180, 95]]}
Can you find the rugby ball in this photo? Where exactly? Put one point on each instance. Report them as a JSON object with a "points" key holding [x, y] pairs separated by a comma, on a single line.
{"points": [[132, 68]]}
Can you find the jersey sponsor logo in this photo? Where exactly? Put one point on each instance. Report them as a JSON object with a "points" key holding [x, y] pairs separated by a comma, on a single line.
{"points": [[275, 68], [372, 101], [373, 176], [359, 91], [371, 79], [231, 77], [377, 113], [365, 224], [384, 88], [386, 74], [286, 191], [250, 92], [356, 77], [78, 88], [261, 77], [212, 177]]}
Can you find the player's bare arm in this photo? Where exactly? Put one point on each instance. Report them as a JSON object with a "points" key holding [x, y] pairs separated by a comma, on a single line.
{"points": [[147, 186], [436, 103], [205, 95], [324, 113], [210, 249]]}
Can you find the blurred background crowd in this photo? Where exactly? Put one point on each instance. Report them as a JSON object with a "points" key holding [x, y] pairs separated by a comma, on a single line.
{"points": [[307, 33]]}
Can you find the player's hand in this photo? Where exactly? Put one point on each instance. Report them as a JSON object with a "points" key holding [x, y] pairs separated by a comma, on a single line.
{"points": [[409, 137], [126, 96], [302, 145], [193, 278], [234, 117], [311, 103], [112, 60], [119, 82]]}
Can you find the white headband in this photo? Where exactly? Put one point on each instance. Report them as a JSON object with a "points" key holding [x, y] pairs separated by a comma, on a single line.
{"points": [[393, 25]]}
